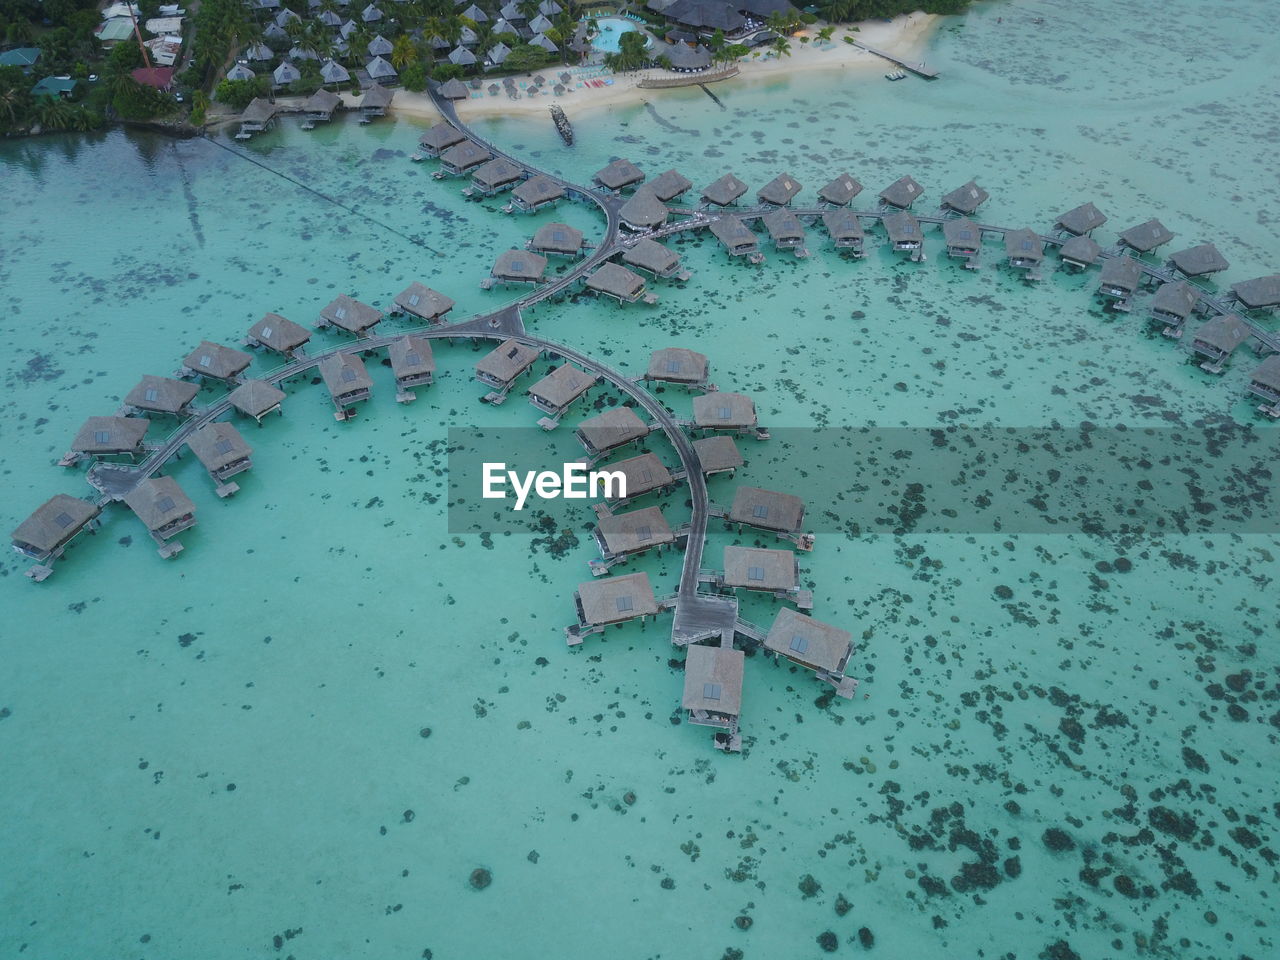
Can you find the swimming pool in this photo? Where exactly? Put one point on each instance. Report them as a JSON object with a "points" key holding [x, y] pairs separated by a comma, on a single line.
{"points": [[611, 31]]}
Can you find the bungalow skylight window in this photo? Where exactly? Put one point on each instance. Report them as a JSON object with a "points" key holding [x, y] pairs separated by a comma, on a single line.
{"points": [[102, 436], [624, 604], [517, 266], [673, 366], [712, 691], [799, 644], [63, 520], [644, 533], [646, 476], [724, 413], [206, 360], [513, 353], [413, 357], [266, 333], [165, 504], [414, 299], [348, 374], [760, 511], [340, 313], [223, 446], [151, 395], [755, 573]]}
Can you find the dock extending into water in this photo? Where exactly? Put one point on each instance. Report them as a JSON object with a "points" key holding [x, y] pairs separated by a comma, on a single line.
{"points": [[920, 69]]}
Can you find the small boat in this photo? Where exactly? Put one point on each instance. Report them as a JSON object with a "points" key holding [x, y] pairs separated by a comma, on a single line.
{"points": [[417, 157], [896, 75]]}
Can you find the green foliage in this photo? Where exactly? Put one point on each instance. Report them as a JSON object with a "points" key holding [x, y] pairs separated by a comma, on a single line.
{"points": [[414, 77], [446, 71], [632, 52], [134, 101], [238, 93], [199, 107], [218, 25], [525, 57]]}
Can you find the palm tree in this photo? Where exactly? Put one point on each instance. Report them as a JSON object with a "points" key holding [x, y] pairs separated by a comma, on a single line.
{"points": [[358, 45], [825, 33], [403, 52], [781, 47]]}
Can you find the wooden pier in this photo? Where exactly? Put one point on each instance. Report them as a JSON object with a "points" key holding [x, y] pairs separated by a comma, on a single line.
{"points": [[919, 69]]}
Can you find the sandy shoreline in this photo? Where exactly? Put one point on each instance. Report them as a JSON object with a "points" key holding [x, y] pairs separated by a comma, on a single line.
{"points": [[906, 36]]}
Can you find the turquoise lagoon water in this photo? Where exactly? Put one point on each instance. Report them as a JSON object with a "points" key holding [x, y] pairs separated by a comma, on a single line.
{"points": [[204, 755]]}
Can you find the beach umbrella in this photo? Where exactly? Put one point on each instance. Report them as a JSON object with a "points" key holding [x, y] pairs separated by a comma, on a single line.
{"points": [[539, 79], [475, 83], [508, 81], [493, 89], [565, 76], [558, 90]]}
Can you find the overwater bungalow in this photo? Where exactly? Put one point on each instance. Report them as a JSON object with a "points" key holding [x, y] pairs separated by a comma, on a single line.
{"points": [[216, 362], [622, 536], [259, 115], [516, 266], [374, 103], [902, 193], [1265, 384], [678, 365], [559, 239], [454, 89], [500, 368], [1120, 279], [422, 302], [717, 454], [965, 200], [164, 510], [1025, 251], [608, 431], [45, 535], [273, 332], [413, 365], [257, 398], [616, 281], [840, 191], [495, 176], [619, 174], [223, 452], [319, 107], [713, 691], [1218, 339], [780, 513], [736, 238], [669, 185], [611, 601], [722, 411], [768, 571], [644, 211], [557, 391], [440, 138], [1083, 219], [652, 257], [786, 231], [535, 193], [348, 382], [644, 474], [103, 437], [725, 191], [780, 191], [1199, 261], [1080, 252], [351, 316], [462, 158], [162, 395], [815, 645], [845, 230], [1172, 304], [904, 234], [963, 238], [1258, 293], [1145, 237]]}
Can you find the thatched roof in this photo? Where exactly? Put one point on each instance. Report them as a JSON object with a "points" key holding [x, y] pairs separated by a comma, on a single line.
{"points": [[162, 394], [441, 137], [1200, 260], [644, 211], [841, 190], [158, 501], [902, 227], [538, 189], [644, 473], [843, 225], [380, 69], [497, 173], [1120, 273], [652, 256], [217, 445], [351, 315], [784, 225], [965, 199], [253, 398], [723, 411], [962, 232], [618, 174], [216, 361], [713, 679], [613, 428], [711, 14], [258, 111], [617, 281], [732, 232], [105, 435], [322, 101], [276, 333], [520, 265], [724, 191], [779, 191], [1082, 219], [454, 89], [669, 184], [411, 357], [1268, 374], [557, 238], [902, 193], [1146, 236], [562, 386], [508, 361], [465, 155], [56, 521], [677, 365], [423, 302], [1177, 299], [717, 453], [344, 374], [1023, 244], [1224, 332], [817, 645], [376, 97], [767, 509], [754, 568], [625, 533], [1259, 292], [1082, 250], [615, 599]]}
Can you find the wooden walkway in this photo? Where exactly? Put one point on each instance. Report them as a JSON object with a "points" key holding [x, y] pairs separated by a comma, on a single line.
{"points": [[917, 68]]}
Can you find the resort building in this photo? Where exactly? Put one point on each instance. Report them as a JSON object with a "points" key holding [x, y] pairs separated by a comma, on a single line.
{"points": [[1082, 220], [1025, 251], [613, 280], [1265, 384], [611, 601], [440, 138], [780, 513], [1145, 237], [775, 572], [535, 193], [374, 103], [1172, 304], [736, 238], [904, 234], [965, 200], [348, 382], [902, 193], [786, 231], [422, 302], [1259, 293], [500, 368], [1199, 261], [815, 645], [1218, 339], [163, 509], [412, 364], [669, 185], [963, 238], [840, 191], [162, 395], [653, 258], [516, 266], [273, 332], [557, 391], [717, 454], [1120, 279], [722, 411], [678, 365], [845, 230], [256, 398], [644, 474], [45, 535], [559, 239], [725, 191], [1080, 252], [350, 316], [223, 452], [622, 536], [216, 362], [102, 437], [779, 191], [713, 690], [644, 211], [608, 431], [618, 175], [495, 176], [462, 158]]}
